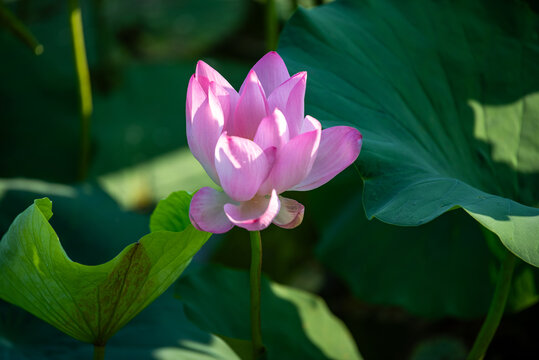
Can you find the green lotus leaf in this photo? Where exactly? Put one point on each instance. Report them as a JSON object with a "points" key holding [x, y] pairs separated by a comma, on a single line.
{"points": [[89, 303], [446, 96], [295, 324], [166, 216]]}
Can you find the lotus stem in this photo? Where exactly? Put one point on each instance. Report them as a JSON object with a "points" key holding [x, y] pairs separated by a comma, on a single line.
{"points": [[99, 352], [85, 89], [255, 277], [495, 312]]}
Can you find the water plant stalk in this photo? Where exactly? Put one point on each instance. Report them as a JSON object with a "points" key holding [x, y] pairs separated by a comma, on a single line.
{"points": [[99, 352], [255, 277], [497, 306], [85, 89]]}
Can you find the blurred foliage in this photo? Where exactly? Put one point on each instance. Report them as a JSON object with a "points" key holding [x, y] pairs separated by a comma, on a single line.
{"points": [[162, 29], [138, 106], [440, 348], [17, 27], [295, 324]]}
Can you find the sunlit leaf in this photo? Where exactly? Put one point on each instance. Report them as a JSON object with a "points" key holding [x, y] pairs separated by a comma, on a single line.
{"points": [[89, 303], [167, 217]]}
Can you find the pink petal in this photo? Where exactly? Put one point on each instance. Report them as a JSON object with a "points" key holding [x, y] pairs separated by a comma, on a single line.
{"points": [[242, 166], [293, 162], [227, 95], [339, 147], [203, 133], [271, 154], [207, 211], [310, 124], [206, 74], [290, 98], [290, 215], [256, 214], [252, 107], [225, 99], [272, 131], [195, 97], [271, 71]]}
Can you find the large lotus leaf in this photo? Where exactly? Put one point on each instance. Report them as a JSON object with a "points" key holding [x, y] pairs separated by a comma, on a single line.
{"points": [[442, 268], [295, 324], [446, 96], [89, 303]]}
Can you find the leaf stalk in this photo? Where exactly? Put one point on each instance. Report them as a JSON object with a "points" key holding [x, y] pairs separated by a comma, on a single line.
{"points": [[85, 89], [99, 352], [255, 278], [497, 306]]}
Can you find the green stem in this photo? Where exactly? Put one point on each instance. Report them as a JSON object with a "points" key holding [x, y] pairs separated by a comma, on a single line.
{"points": [[19, 29], [272, 24], [256, 272], [496, 309], [85, 89], [99, 352]]}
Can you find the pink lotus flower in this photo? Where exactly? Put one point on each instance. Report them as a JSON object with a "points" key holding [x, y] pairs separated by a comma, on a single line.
{"points": [[257, 144]]}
